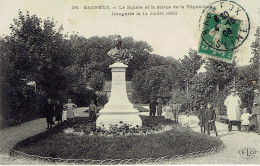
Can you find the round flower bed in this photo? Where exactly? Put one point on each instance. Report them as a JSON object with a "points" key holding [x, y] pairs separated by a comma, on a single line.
{"points": [[155, 139]]}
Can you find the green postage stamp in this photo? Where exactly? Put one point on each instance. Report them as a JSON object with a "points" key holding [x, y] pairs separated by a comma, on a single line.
{"points": [[224, 27]]}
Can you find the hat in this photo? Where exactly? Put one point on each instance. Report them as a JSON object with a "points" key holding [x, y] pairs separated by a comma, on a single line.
{"points": [[233, 90]]}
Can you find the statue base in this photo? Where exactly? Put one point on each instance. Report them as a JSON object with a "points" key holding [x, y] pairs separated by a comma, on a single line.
{"points": [[118, 110]]}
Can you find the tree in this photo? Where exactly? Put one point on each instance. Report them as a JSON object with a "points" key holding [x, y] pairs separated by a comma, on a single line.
{"points": [[189, 67], [254, 66], [152, 83], [34, 51], [97, 81]]}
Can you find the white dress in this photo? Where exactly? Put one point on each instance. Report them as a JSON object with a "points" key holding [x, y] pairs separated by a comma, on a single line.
{"points": [[168, 113], [245, 118], [186, 122], [233, 107], [69, 107], [64, 116]]}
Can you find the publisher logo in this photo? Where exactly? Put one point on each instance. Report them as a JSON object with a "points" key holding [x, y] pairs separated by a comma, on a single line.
{"points": [[247, 153]]}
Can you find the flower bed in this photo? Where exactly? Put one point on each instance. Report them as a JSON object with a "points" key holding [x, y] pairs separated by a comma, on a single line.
{"points": [[115, 130], [55, 143]]}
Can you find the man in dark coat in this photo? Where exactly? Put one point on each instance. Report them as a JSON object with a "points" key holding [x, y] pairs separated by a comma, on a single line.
{"points": [[92, 111], [58, 111], [256, 110], [49, 111], [159, 106], [202, 118], [210, 117], [152, 107]]}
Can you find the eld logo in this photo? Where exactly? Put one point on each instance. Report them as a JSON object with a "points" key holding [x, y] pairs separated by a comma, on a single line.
{"points": [[247, 153]]}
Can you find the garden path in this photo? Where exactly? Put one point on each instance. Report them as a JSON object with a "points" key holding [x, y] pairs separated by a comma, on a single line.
{"points": [[11, 135], [234, 141]]}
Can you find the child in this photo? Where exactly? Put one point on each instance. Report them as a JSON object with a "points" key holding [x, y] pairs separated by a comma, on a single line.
{"points": [[70, 114], [58, 111], [49, 111], [186, 121], [168, 113], [210, 117], [245, 119]]}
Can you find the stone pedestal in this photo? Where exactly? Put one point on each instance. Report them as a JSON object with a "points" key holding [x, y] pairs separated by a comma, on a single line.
{"points": [[118, 109]]}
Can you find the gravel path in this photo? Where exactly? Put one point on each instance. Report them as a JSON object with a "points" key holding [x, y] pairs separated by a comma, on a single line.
{"points": [[11, 135], [234, 141]]}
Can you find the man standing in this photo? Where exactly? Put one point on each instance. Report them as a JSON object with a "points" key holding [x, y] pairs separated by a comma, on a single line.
{"points": [[92, 111], [256, 110], [159, 106], [49, 111], [210, 117], [152, 107], [233, 103], [69, 107]]}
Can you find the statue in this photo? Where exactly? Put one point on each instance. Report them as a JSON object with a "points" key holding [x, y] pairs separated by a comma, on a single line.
{"points": [[119, 54]]}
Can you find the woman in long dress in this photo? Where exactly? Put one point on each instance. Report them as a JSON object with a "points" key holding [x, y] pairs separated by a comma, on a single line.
{"points": [[168, 112]]}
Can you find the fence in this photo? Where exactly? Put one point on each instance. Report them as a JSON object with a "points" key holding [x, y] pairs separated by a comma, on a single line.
{"points": [[161, 160]]}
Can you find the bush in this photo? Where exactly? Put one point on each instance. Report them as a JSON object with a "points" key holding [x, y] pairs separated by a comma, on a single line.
{"points": [[102, 100]]}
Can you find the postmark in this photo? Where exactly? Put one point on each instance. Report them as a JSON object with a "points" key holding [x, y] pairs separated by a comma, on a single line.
{"points": [[224, 27]]}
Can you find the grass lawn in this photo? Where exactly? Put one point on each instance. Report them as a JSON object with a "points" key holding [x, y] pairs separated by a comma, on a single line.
{"points": [[179, 141]]}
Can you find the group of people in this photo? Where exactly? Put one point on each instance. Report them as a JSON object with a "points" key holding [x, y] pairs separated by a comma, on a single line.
{"points": [[55, 110], [233, 104], [207, 116], [170, 110], [58, 112]]}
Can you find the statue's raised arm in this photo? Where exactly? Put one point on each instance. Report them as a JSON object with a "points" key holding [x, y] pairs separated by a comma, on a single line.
{"points": [[119, 54]]}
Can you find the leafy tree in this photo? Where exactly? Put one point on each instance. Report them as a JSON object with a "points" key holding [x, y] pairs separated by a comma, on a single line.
{"points": [[254, 66], [97, 81], [189, 67], [34, 51], [152, 83]]}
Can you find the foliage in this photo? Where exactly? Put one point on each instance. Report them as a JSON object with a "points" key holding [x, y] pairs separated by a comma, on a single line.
{"points": [[115, 130], [255, 59], [188, 68], [152, 83], [102, 100], [34, 51], [97, 81]]}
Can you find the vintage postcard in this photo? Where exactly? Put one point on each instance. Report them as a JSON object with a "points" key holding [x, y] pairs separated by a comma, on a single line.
{"points": [[129, 82]]}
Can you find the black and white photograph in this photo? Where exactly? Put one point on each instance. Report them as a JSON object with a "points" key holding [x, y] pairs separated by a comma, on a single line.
{"points": [[129, 82]]}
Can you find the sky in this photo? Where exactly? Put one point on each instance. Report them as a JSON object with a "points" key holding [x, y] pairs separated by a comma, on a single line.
{"points": [[169, 35]]}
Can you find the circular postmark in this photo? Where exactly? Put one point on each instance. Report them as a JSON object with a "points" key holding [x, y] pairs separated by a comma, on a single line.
{"points": [[224, 25], [247, 153]]}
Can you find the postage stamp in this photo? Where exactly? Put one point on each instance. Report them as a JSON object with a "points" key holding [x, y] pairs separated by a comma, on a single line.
{"points": [[224, 27]]}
